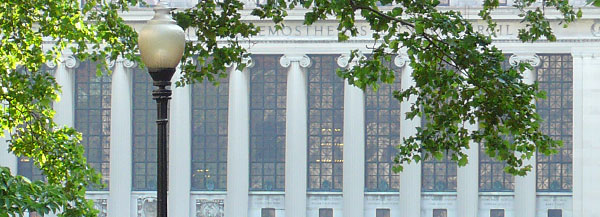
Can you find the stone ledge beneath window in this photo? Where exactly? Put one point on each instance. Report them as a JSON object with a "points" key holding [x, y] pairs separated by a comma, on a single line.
{"points": [[208, 192], [438, 193], [266, 193], [498, 193]]}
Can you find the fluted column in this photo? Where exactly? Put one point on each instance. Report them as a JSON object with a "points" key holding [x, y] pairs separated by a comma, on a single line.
{"points": [[410, 178], [354, 145], [120, 138], [296, 135], [525, 186], [238, 147], [586, 119], [467, 188], [180, 140], [64, 77]]}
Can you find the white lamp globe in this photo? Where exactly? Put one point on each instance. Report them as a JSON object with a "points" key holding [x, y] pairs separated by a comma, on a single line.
{"points": [[161, 41]]}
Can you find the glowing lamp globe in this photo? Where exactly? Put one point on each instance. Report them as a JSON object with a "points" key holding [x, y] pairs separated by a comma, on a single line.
{"points": [[161, 42]]}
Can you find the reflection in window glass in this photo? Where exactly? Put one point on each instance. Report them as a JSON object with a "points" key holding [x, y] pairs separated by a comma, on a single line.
{"points": [[144, 132], [267, 123], [92, 116], [209, 135], [555, 77], [326, 116], [382, 129]]}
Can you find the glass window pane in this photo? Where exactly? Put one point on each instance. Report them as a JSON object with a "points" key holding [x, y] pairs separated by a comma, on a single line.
{"points": [[382, 135], [268, 80], [492, 177], [92, 116], [325, 118], [144, 132], [555, 77], [209, 135]]}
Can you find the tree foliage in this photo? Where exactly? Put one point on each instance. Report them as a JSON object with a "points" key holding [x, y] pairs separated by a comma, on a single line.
{"points": [[33, 32], [457, 71], [458, 74]]}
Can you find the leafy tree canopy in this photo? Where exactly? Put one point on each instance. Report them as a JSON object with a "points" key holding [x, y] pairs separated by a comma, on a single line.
{"points": [[458, 75]]}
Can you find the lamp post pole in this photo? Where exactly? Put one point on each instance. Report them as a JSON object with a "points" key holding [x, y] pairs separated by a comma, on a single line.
{"points": [[161, 43], [162, 95]]}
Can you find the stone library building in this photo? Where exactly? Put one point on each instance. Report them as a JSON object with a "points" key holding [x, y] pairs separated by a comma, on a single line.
{"points": [[287, 137]]}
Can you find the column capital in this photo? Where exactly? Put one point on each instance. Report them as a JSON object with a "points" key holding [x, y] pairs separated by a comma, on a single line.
{"points": [[286, 60], [530, 58], [344, 60], [51, 64], [70, 61], [401, 59], [245, 60], [120, 60]]}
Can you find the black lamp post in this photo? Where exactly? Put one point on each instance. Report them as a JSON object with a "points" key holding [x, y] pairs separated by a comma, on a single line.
{"points": [[161, 43]]}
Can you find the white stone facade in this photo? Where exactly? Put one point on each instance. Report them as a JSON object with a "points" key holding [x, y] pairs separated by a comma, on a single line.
{"points": [[581, 40]]}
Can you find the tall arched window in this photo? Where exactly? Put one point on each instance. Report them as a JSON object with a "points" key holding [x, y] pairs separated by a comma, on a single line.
{"points": [[267, 123], [209, 135], [92, 116], [555, 77], [326, 119], [144, 132], [382, 129]]}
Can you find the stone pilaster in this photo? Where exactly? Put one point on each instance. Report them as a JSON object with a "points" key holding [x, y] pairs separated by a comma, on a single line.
{"points": [[354, 145], [467, 189], [180, 155], [586, 149], [238, 137], [65, 78], [525, 186], [410, 178], [120, 138], [296, 135]]}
